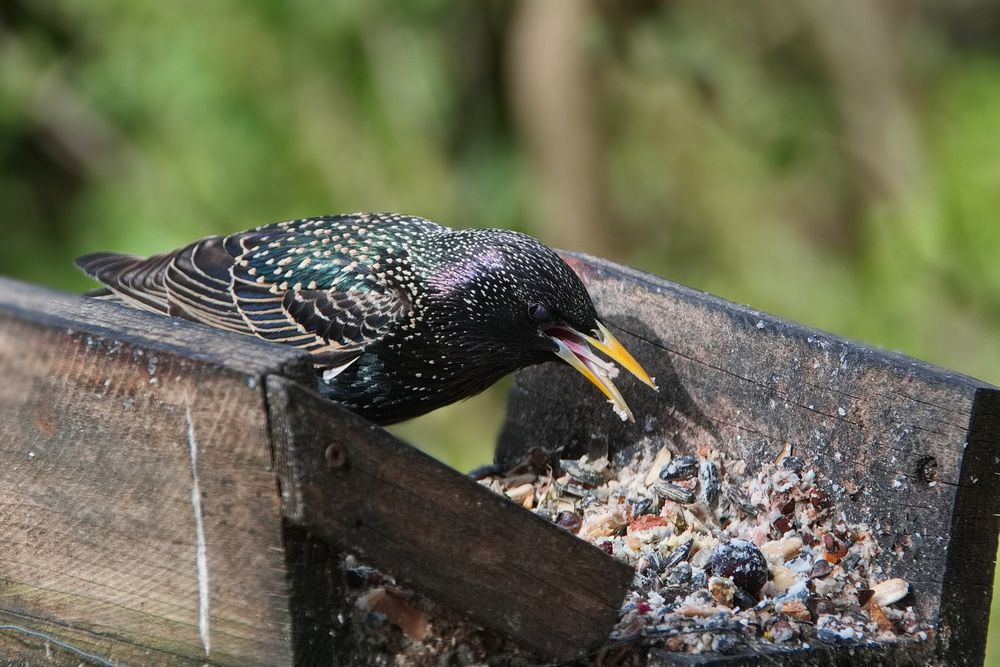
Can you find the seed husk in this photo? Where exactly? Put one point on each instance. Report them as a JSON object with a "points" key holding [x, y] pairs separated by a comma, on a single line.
{"points": [[678, 555], [581, 474], [673, 492], [708, 478], [681, 468], [820, 569], [890, 591], [572, 490]]}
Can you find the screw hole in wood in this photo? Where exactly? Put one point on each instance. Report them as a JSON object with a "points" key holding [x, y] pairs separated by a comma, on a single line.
{"points": [[336, 456]]}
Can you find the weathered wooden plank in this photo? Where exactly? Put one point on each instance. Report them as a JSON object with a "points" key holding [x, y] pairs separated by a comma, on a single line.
{"points": [[318, 603], [56, 310], [358, 487], [910, 446], [140, 511]]}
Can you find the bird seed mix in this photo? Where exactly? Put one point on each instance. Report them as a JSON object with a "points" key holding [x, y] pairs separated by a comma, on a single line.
{"points": [[726, 560]]}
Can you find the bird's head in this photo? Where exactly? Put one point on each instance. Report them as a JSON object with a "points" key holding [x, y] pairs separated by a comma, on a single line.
{"points": [[505, 297]]}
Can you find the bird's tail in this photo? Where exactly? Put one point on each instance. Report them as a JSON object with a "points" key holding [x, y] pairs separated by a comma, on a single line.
{"points": [[193, 282], [137, 281]]}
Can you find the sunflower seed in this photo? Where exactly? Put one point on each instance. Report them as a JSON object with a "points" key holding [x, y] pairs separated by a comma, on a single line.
{"points": [[678, 555], [683, 467], [708, 477], [673, 492], [742, 504], [580, 473]]}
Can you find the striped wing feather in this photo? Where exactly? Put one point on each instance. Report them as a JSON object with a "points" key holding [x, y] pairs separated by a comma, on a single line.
{"points": [[222, 282]]}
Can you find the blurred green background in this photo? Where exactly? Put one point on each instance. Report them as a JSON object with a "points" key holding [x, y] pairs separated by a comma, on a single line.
{"points": [[837, 163]]}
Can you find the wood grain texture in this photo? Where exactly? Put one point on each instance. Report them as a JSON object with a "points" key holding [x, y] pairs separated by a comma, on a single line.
{"points": [[140, 511], [912, 448], [355, 485], [55, 310]]}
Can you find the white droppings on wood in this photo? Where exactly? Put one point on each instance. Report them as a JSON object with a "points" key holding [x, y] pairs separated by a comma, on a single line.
{"points": [[201, 552]]}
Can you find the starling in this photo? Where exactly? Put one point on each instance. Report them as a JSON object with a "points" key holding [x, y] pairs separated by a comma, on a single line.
{"points": [[401, 315]]}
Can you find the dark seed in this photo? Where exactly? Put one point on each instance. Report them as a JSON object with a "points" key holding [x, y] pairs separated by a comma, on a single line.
{"points": [[742, 562], [820, 500], [818, 606], [683, 467], [782, 525], [788, 508], [649, 570], [793, 463], [708, 478], [726, 643], [671, 593], [743, 600], [858, 616], [569, 520], [581, 474], [679, 554], [796, 593], [572, 490], [678, 575], [831, 544], [641, 506], [850, 561], [830, 636], [864, 595], [742, 504], [820, 569], [652, 565], [673, 492]]}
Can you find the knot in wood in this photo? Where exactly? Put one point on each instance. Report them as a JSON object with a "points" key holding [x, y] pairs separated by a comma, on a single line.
{"points": [[336, 456]]}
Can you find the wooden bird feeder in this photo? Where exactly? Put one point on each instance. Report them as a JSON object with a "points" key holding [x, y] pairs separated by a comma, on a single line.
{"points": [[173, 494]]}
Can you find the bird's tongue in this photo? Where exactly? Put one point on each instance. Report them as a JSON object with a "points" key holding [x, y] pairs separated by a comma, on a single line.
{"points": [[573, 349]]}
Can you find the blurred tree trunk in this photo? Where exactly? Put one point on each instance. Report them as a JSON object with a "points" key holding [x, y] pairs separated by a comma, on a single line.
{"points": [[554, 92], [860, 49]]}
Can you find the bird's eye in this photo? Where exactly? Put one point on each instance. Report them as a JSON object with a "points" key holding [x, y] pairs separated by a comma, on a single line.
{"points": [[539, 312]]}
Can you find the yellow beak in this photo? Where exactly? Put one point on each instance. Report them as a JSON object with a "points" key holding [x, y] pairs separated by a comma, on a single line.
{"points": [[610, 346], [572, 348]]}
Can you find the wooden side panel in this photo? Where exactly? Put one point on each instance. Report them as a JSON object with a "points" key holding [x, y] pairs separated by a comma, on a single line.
{"points": [[356, 486], [968, 588], [140, 511], [908, 445]]}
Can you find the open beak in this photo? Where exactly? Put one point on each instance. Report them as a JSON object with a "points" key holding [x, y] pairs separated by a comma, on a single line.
{"points": [[573, 347]]}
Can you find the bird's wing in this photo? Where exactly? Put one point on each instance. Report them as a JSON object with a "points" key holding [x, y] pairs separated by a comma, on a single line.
{"points": [[192, 282], [318, 283], [309, 290], [198, 282]]}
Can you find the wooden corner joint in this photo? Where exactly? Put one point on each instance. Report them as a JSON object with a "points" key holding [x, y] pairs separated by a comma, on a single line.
{"points": [[364, 491]]}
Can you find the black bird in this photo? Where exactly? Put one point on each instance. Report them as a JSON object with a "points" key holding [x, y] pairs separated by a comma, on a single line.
{"points": [[401, 314]]}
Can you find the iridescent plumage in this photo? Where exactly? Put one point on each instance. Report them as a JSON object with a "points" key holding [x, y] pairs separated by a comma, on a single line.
{"points": [[401, 314]]}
